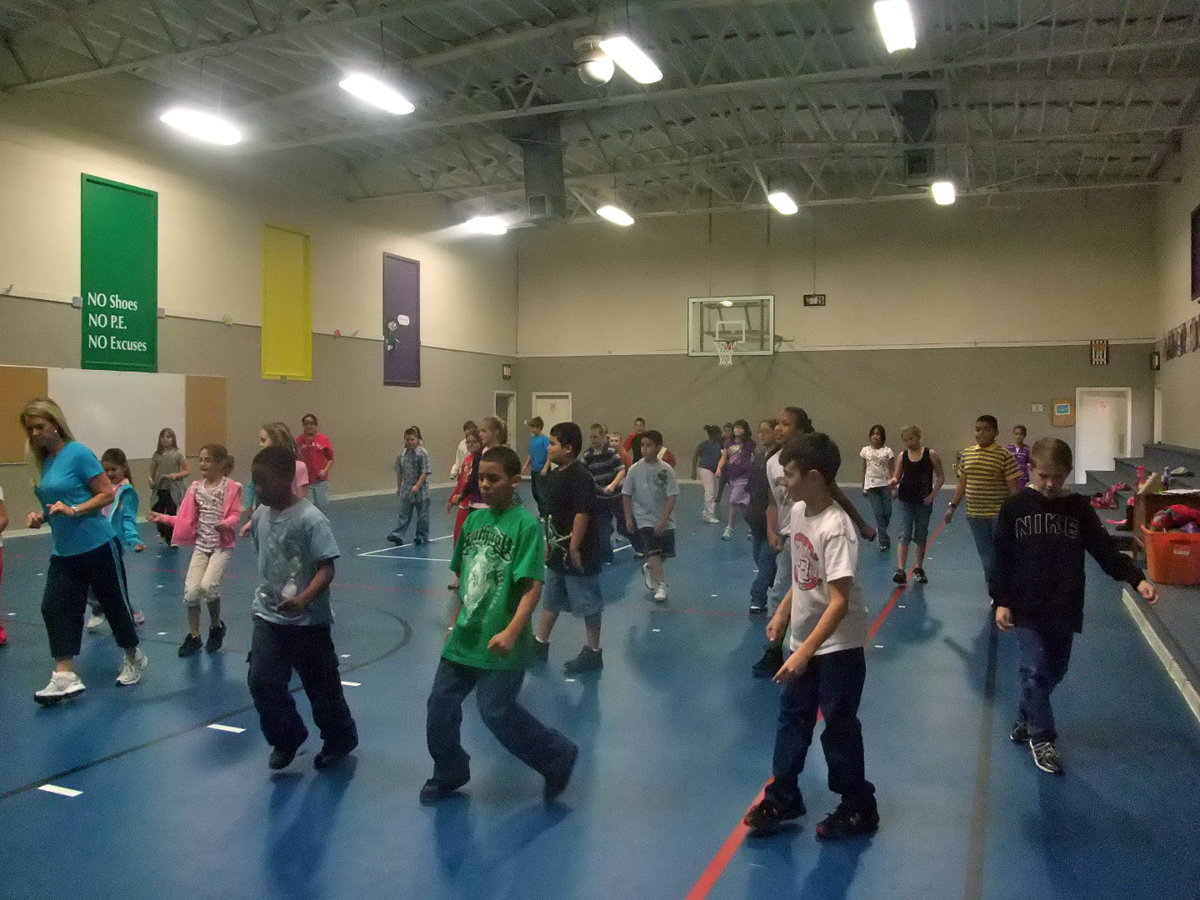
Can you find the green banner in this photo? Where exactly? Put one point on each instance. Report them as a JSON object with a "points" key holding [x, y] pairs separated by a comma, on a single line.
{"points": [[119, 276]]}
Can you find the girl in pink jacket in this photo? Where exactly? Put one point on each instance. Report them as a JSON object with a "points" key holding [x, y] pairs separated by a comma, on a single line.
{"points": [[207, 518]]}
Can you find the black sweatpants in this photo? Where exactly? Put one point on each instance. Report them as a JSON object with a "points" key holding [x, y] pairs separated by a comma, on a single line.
{"points": [[276, 650], [65, 598]]}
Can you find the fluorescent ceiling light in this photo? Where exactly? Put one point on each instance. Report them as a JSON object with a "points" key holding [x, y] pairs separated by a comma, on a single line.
{"points": [[896, 25], [375, 92], [487, 225], [783, 202], [943, 192], [632, 58], [203, 126], [727, 303], [615, 215]]}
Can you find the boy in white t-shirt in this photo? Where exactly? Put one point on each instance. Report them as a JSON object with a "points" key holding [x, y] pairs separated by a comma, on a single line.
{"points": [[826, 668]]}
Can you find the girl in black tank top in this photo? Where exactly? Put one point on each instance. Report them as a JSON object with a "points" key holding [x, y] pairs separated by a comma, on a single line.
{"points": [[916, 478]]}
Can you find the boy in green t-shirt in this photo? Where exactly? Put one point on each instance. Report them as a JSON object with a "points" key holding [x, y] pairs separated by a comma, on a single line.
{"points": [[500, 559]]}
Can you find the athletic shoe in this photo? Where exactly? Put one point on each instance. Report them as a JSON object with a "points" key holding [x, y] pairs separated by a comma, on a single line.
{"points": [[770, 663], [138, 618], [418, 541], [769, 813], [94, 621], [62, 686], [395, 539], [899, 577], [216, 637], [191, 644], [541, 650], [660, 592], [557, 777], [711, 520], [1045, 756], [1020, 732], [588, 660], [132, 668], [919, 576], [647, 577], [280, 758], [846, 822], [885, 544], [727, 534], [329, 756], [757, 608], [434, 790], [452, 587]]}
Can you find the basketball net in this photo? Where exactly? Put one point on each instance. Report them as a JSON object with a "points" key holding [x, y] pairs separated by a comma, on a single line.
{"points": [[725, 352]]}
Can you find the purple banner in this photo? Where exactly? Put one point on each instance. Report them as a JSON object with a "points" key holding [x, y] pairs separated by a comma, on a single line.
{"points": [[401, 321]]}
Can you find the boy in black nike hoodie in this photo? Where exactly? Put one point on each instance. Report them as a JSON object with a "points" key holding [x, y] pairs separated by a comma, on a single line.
{"points": [[1037, 586]]}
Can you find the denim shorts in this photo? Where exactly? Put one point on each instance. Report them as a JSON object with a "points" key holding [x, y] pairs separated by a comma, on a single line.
{"points": [[914, 522], [578, 594]]}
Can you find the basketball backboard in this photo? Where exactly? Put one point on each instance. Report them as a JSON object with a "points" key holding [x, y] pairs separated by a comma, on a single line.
{"points": [[750, 320]]}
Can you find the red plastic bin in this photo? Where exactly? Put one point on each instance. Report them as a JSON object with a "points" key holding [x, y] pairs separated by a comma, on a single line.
{"points": [[1172, 557]]}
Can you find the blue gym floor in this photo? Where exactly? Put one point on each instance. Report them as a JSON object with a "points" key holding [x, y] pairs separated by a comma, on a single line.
{"points": [[676, 742]]}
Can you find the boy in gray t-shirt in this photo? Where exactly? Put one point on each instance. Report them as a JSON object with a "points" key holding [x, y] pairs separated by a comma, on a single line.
{"points": [[293, 618], [649, 494]]}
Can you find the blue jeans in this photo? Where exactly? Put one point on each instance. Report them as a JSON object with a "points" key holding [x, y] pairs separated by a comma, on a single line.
{"points": [[1044, 655], [410, 505], [522, 735], [832, 683], [783, 575], [318, 493], [764, 558], [984, 532], [881, 504]]}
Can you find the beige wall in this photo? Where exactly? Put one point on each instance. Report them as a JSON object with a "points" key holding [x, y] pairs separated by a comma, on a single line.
{"points": [[844, 392], [364, 419], [212, 207], [1023, 269], [1179, 378]]}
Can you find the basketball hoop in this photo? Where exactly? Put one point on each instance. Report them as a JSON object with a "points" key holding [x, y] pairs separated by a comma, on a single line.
{"points": [[725, 352]]}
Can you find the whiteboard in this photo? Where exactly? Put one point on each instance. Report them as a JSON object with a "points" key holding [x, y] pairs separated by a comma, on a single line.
{"points": [[121, 409]]}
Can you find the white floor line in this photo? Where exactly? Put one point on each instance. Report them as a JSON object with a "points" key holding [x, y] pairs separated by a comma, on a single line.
{"points": [[61, 791], [385, 550], [1190, 697], [230, 728]]}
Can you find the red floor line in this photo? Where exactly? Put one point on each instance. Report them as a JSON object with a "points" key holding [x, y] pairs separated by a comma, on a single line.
{"points": [[716, 866]]}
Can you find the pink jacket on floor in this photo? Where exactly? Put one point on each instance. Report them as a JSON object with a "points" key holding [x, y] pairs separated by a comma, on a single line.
{"points": [[184, 522]]}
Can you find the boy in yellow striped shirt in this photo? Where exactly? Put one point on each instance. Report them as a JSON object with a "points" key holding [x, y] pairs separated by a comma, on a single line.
{"points": [[987, 476]]}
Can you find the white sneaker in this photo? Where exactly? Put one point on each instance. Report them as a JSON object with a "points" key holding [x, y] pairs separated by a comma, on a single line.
{"points": [[62, 686], [660, 592], [712, 520], [94, 621], [646, 576], [138, 618], [131, 669], [727, 534]]}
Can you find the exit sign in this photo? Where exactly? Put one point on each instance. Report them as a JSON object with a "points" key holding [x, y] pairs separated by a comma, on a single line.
{"points": [[814, 299]]}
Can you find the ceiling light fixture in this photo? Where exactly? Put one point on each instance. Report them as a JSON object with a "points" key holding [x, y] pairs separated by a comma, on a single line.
{"points": [[896, 25], [371, 90], [595, 67], [487, 225], [783, 203], [632, 58], [615, 214], [943, 192], [203, 126]]}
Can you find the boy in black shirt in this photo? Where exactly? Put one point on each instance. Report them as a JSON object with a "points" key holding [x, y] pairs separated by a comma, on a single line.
{"points": [[573, 554], [1037, 586]]}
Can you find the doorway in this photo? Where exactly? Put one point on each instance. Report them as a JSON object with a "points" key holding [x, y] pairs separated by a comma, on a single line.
{"points": [[1103, 421], [506, 410], [553, 408]]}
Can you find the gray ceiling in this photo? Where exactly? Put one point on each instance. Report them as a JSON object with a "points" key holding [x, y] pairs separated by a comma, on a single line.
{"points": [[1025, 95]]}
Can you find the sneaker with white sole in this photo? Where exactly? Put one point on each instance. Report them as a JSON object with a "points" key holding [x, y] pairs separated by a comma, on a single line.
{"points": [[727, 534], [660, 592], [62, 686], [712, 520], [646, 576], [132, 668], [138, 618], [1045, 756], [94, 621]]}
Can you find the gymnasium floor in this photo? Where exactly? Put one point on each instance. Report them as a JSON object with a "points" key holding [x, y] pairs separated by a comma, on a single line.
{"points": [[675, 736]]}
